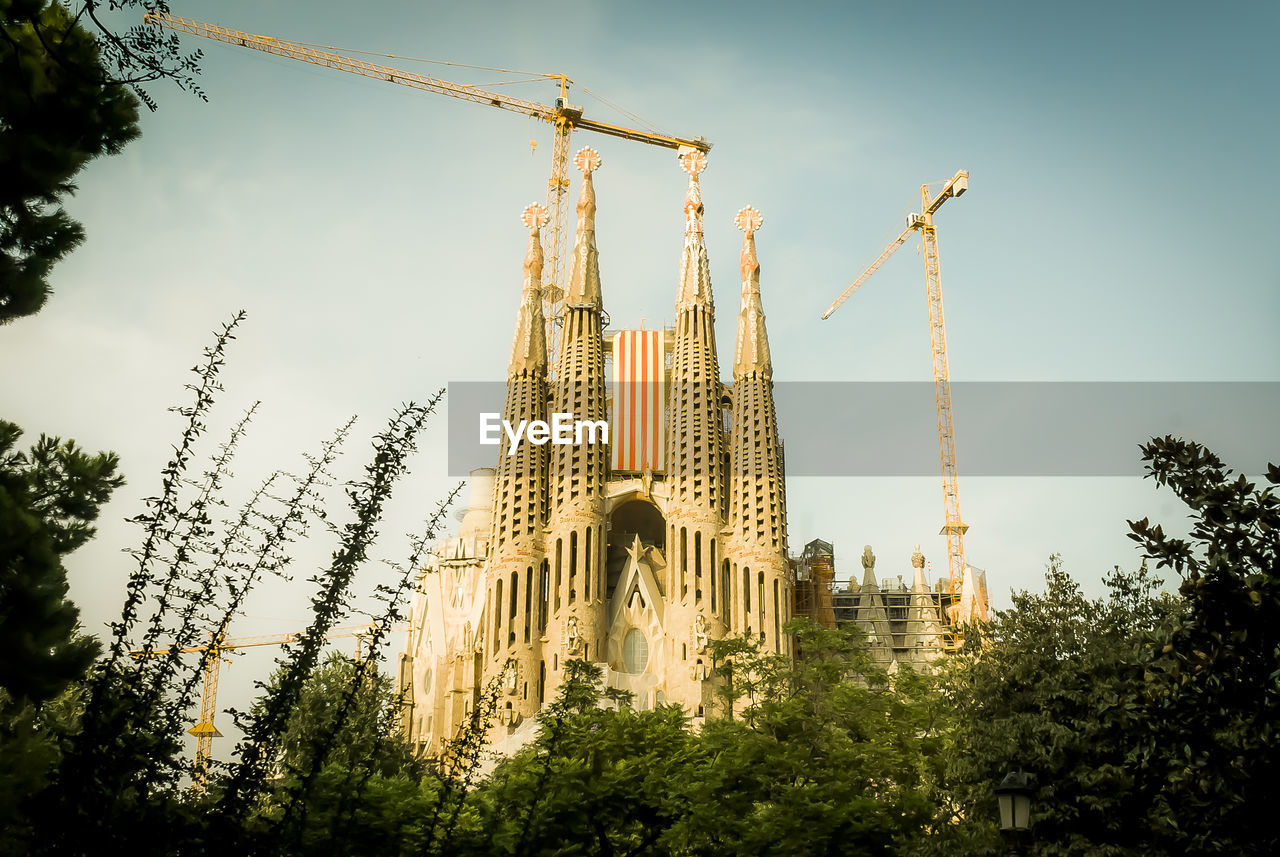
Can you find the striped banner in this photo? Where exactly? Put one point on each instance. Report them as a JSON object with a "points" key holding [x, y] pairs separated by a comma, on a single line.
{"points": [[638, 429]]}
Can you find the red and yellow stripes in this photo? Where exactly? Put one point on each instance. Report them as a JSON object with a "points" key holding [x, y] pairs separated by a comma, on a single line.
{"points": [[637, 432]]}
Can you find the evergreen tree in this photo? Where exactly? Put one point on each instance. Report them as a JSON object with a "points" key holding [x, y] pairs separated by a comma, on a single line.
{"points": [[57, 113], [69, 92], [49, 497]]}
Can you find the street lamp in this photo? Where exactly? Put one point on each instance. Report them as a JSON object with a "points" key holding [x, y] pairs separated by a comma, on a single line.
{"points": [[1014, 796]]}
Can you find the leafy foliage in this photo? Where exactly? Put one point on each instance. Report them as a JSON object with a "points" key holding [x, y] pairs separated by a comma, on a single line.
{"points": [[831, 755], [49, 498], [827, 755], [57, 113], [70, 83], [1213, 670], [1147, 721], [1053, 686]]}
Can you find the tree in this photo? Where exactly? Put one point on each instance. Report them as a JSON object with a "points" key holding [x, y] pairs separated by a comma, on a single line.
{"points": [[340, 720], [69, 92], [116, 779], [1052, 685], [831, 755], [828, 756], [49, 498], [1146, 721], [1213, 670], [609, 781]]}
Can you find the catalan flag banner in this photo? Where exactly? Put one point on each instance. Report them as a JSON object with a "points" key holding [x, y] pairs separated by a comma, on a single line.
{"points": [[638, 424]]}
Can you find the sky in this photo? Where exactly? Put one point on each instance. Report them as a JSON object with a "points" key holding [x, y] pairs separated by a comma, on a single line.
{"points": [[1116, 229]]}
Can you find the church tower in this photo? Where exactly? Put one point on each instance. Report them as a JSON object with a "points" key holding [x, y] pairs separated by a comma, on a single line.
{"points": [[658, 527], [756, 555], [575, 542], [695, 450], [515, 619]]}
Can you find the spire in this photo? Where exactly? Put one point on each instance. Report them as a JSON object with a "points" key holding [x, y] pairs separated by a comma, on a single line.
{"points": [[869, 569], [529, 350], [752, 353], [872, 615], [695, 270], [758, 505], [917, 562], [584, 277], [924, 621], [972, 604]]}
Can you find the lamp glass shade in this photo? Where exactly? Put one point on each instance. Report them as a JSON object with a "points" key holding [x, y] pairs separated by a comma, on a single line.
{"points": [[1021, 811], [1013, 796], [1006, 811]]}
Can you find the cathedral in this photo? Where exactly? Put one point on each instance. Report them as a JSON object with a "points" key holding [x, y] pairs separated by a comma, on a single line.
{"points": [[632, 553]]}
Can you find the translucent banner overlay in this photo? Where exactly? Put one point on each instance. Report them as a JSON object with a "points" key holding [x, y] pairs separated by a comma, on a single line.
{"points": [[850, 428]]}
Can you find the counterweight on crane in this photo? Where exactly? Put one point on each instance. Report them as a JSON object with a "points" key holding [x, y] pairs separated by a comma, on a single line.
{"points": [[563, 117], [953, 527]]}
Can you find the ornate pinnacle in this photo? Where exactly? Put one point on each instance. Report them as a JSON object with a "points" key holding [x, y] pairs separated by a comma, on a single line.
{"points": [[693, 162], [752, 352], [917, 558], [529, 349], [749, 220], [587, 160], [535, 217]]}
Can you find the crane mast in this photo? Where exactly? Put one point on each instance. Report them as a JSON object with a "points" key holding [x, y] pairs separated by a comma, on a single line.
{"points": [[953, 526], [563, 117], [204, 730]]}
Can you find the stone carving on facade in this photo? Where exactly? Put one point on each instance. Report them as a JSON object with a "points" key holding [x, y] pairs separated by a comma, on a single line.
{"points": [[701, 637], [573, 642]]}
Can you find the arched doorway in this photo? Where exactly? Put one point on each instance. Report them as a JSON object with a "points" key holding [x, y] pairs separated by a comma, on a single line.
{"points": [[630, 519]]}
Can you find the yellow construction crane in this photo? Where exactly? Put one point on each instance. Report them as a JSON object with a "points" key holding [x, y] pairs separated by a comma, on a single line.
{"points": [[563, 117], [953, 528], [204, 730]]}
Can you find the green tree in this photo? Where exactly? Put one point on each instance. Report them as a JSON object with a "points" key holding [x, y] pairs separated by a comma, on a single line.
{"points": [[49, 497], [57, 113], [1053, 685], [340, 720], [831, 755], [1147, 721], [1213, 670], [609, 781], [70, 83]]}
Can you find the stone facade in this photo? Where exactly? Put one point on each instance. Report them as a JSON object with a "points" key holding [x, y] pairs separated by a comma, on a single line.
{"points": [[912, 623], [562, 555]]}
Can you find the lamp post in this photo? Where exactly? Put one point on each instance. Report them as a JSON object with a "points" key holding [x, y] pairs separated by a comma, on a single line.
{"points": [[1014, 797]]}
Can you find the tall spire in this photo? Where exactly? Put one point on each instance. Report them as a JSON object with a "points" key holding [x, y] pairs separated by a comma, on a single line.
{"points": [[872, 615], [584, 277], [752, 353], [576, 538], [529, 350], [758, 506], [695, 270], [924, 621]]}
